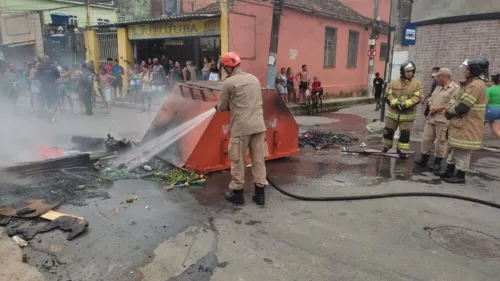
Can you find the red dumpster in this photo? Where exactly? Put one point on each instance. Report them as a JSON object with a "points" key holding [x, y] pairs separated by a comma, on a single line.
{"points": [[204, 148]]}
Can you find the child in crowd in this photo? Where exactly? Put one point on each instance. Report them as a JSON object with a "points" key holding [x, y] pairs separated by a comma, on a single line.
{"points": [[317, 91]]}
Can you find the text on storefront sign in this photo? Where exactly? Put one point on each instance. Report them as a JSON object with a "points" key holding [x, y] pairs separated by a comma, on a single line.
{"points": [[174, 29]]}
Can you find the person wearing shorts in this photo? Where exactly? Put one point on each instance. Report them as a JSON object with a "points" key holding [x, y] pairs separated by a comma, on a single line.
{"points": [[303, 80], [493, 107], [378, 85], [147, 87], [117, 71], [34, 85], [135, 82], [105, 84], [64, 87], [281, 85], [292, 94]]}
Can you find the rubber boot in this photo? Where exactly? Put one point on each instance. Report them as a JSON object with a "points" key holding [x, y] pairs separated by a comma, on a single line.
{"points": [[235, 196], [437, 164], [447, 173], [422, 162], [457, 178], [259, 197]]}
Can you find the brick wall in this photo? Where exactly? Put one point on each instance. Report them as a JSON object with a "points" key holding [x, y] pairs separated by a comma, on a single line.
{"points": [[448, 45]]}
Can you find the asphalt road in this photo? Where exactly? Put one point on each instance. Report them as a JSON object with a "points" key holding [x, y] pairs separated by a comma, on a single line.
{"points": [[195, 235]]}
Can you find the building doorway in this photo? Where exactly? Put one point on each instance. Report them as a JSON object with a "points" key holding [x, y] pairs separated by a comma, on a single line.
{"points": [[178, 49]]}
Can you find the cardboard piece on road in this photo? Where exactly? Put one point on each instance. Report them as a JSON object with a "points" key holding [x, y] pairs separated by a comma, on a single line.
{"points": [[52, 215], [39, 205]]}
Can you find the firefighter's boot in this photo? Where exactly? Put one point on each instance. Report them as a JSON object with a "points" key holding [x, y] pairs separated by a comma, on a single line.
{"points": [[447, 173], [457, 178], [259, 197], [437, 164], [422, 162], [235, 196]]}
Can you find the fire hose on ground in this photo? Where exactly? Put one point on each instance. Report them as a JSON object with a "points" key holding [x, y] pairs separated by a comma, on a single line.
{"points": [[382, 195]]}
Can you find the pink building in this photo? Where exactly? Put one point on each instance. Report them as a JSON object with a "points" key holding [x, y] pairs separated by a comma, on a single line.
{"points": [[331, 38], [366, 8]]}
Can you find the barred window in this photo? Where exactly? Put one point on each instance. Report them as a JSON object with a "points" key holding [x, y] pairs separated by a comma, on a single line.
{"points": [[330, 47], [384, 51], [352, 49]]}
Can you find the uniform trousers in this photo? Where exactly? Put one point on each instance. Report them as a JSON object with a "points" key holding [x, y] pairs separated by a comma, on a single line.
{"points": [[404, 139], [434, 136], [459, 157], [238, 148]]}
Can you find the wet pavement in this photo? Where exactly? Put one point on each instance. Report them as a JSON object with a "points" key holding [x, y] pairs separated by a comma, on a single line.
{"points": [[193, 234]]}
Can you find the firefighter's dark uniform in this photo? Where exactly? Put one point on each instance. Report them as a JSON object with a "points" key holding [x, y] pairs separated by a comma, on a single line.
{"points": [[402, 96]]}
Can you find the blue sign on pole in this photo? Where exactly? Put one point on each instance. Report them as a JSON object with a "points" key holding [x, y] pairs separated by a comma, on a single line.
{"points": [[410, 34]]}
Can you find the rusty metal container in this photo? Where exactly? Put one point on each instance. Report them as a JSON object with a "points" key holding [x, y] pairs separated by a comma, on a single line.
{"points": [[204, 148]]}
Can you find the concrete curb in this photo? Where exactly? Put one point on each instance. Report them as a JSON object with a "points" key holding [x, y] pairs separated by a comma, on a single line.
{"points": [[328, 105], [332, 105]]}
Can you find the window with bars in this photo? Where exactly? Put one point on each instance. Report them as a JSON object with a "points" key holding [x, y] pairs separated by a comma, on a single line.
{"points": [[102, 21], [384, 51], [73, 20], [352, 49], [330, 47]]}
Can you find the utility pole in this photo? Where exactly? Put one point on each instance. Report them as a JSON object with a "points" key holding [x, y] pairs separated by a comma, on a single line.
{"points": [[88, 14], [373, 44], [388, 61], [273, 46]]}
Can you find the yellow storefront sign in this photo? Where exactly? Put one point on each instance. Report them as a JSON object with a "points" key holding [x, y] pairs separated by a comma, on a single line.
{"points": [[204, 27]]}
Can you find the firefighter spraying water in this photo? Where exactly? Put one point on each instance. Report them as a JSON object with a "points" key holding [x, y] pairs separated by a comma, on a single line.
{"points": [[241, 96]]}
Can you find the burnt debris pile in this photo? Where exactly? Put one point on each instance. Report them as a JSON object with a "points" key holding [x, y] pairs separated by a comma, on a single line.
{"points": [[319, 140]]}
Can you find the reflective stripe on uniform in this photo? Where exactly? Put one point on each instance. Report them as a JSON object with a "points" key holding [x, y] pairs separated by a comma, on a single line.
{"points": [[389, 91], [394, 101], [403, 146], [469, 98], [464, 144], [479, 107], [417, 94], [400, 117], [391, 115], [407, 117], [408, 103]]}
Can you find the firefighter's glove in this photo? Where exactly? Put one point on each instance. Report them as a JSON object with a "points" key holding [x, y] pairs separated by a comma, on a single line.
{"points": [[448, 115], [400, 107], [393, 102]]}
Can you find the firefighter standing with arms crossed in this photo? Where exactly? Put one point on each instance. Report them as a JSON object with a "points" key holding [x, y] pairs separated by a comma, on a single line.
{"points": [[402, 97], [241, 96], [436, 124], [466, 115]]}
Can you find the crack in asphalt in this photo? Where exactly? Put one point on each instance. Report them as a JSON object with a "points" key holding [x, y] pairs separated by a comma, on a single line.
{"points": [[203, 269]]}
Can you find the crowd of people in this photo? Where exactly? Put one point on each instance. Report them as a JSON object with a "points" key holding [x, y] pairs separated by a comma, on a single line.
{"points": [[285, 85], [157, 76], [456, 114], [52, 86]]}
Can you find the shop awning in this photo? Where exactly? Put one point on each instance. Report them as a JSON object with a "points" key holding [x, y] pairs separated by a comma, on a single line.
{"points": [[160, 19]]}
